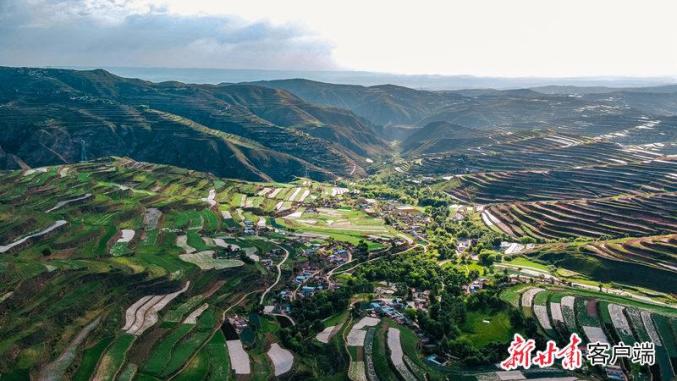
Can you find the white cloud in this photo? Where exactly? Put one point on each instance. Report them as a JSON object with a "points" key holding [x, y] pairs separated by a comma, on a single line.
{"points": [[138, 33], [481, 37]]}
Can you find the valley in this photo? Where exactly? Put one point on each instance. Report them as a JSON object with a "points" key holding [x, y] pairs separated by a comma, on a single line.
{"points": [[302, 230]]}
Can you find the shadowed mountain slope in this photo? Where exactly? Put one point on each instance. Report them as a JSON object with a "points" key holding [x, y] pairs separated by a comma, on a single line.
{"points": [[383, 105], [55, 116]]}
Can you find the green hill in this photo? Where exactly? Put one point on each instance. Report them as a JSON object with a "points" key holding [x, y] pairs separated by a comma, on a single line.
{"points": [[62, 116]]}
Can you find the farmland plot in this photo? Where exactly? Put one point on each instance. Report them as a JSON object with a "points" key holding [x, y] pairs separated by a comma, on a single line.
{"points": [[541, 313], [274, 193], [595, 334], [358, 332], [127, 236], [650, 328], [182, 242], [397, 355], [151, 218], [57, 368], [121, 246], [239, 359], [556, 312], [326, 334], [205, 260], [263, 192], [668, 336], [210, 199], [337, 191], [568, 312], [144, 313], [176, 314], [192, 318], [113, 359], [63, 203], [370, 368], [528, 296], [356, 372], [293, 196], [282, 359], [637, 320], [620, 323]]}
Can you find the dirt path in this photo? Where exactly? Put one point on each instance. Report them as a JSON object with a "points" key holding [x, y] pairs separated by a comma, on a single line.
{"points": [[352, 171], [279, 275], [296, 290]]}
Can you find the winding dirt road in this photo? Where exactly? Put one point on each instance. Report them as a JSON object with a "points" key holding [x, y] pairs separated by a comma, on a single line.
{"points": [[279, 275]]}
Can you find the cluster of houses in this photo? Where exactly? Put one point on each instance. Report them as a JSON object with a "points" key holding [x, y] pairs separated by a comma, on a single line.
{"points": [[459, 212], [268, 262], [239, 323], [420, 300], [391, 308], [410, 219], [309, 281], [387, 304], [474, 286], [248, 228], [463, 245]]}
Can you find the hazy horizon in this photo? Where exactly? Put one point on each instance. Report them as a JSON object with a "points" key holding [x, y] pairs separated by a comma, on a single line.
{"points": [[366, 78], [517, 39]]}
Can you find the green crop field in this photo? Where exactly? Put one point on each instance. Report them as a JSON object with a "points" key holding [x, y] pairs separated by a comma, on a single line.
{"points": [[483, 328], [113, 359]]}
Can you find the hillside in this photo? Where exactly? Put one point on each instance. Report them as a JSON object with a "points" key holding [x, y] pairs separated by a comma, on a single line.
{"points": [[442, 137], [407, 114], [384, 105], [61, 116]]}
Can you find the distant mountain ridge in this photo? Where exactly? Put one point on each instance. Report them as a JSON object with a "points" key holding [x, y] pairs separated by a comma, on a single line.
{"points": [[384, 105], [51, 116], [394, 106], [364, 78], [279, 130]]}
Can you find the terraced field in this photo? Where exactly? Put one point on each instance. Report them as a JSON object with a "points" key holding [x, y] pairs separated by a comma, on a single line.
{"points": [[566, 184], [342, 224], [656, 251], [537, 156], [112, 258], [610, 217], [600, 317]]}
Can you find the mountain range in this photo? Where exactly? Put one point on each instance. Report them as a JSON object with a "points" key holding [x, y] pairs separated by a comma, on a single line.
{"points": [[282, 129], [54, 116], [438, 82]]}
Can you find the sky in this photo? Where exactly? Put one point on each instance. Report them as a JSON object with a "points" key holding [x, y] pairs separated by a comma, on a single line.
{"points": [[504, 38]]}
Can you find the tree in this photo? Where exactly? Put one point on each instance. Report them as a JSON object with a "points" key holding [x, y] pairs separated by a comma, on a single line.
{"points": [[362, 250]]}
